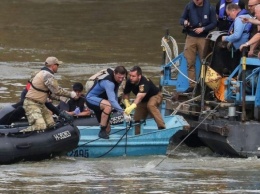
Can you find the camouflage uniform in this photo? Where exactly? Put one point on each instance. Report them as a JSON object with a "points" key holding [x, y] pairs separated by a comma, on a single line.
{"points": [[43, 85], [38, 115]]}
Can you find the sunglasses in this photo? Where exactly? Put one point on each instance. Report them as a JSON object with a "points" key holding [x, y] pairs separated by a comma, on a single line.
{"points": [[252, 5]]}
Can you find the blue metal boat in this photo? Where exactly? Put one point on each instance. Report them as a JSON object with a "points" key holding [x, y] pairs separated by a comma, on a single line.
{"points": [[123, 141], [223, 110]]}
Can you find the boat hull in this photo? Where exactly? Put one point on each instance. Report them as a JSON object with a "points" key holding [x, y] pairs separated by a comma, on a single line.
{"points": [[235, 139], [16, 146], [123, 141]]}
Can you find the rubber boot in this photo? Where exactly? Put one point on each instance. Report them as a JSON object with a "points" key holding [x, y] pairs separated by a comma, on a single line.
{"points": [[102, 133]]}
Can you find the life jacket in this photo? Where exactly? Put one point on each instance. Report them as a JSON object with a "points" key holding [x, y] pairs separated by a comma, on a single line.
{"points": [[28, 85], [222, 9], [107, 74], [38, 89], [194, 20], [100, 75], [248, 27]]}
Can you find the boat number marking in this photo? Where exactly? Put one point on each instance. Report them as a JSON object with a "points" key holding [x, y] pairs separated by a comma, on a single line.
{"points": [[62, 135], [79, 152]]}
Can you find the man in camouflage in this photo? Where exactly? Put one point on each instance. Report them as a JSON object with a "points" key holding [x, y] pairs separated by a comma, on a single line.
{"points": [[43, 85]]}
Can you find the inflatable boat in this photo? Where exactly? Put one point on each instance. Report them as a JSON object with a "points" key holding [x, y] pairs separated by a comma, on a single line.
{"points": [[13, 114], [18, 146]]}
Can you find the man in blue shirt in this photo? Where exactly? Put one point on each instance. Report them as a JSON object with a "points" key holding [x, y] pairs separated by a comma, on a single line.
{"points": [[224, 22], [102, 97], [238, 32]]}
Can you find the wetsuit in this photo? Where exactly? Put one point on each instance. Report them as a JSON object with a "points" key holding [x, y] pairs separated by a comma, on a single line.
{"points": [[105, 88]]}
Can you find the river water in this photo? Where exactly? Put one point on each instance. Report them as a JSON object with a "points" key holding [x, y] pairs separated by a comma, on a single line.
{"points": [[89, 35]]}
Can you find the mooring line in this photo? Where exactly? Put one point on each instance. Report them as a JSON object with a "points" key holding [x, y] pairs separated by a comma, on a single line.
{"points": [[187, 135]]}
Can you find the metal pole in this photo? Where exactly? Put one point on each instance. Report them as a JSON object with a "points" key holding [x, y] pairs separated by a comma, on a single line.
{"points": [[243, 118]]}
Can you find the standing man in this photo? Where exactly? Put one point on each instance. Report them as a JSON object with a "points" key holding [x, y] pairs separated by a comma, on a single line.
{"points": [[102, 97], [199, 18], [148, 98], [255, 29], [238, 32], [251, 6], [255, 40], [43, 85], [224, 22]]}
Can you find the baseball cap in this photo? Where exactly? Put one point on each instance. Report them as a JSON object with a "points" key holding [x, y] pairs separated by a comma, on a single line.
{"points": [[52, 61]]}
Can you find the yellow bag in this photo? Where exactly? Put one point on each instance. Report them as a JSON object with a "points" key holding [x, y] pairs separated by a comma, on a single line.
{"points": [[212, 78]]}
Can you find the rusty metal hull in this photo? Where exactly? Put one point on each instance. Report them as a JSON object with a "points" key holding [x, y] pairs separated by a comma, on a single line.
{"points": [[235, 139]]}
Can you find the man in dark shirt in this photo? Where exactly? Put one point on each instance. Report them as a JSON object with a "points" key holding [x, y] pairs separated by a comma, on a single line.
{"points": [[198, 18], [76, 107], [148, 98]]}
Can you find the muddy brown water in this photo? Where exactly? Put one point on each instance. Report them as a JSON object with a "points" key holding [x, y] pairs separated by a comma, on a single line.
{"points": [[89, 35]]}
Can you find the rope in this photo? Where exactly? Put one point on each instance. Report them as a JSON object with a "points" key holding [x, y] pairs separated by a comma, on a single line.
{"points": [[127, 128], [169, 55], [126, 137], [99, 138], [188, 134]]}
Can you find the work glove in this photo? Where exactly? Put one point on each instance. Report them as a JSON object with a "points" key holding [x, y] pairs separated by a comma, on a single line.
{"points": [[73, 94], [76, 111], [127, 118], [66, 116], [129, 109], [127, 103]]}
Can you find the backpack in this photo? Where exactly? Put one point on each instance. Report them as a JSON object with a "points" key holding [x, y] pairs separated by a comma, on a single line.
{"points": [[98, 76]]}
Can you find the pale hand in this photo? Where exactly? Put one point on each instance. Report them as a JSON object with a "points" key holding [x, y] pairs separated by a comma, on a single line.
{"points": [[244, 20], [73, 94]]}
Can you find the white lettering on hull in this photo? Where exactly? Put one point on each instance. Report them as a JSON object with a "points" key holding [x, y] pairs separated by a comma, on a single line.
{"points": [[62, 135]]}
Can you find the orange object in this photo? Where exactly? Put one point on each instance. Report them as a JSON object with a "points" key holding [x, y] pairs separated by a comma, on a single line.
{"points": [[220, 93]]}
